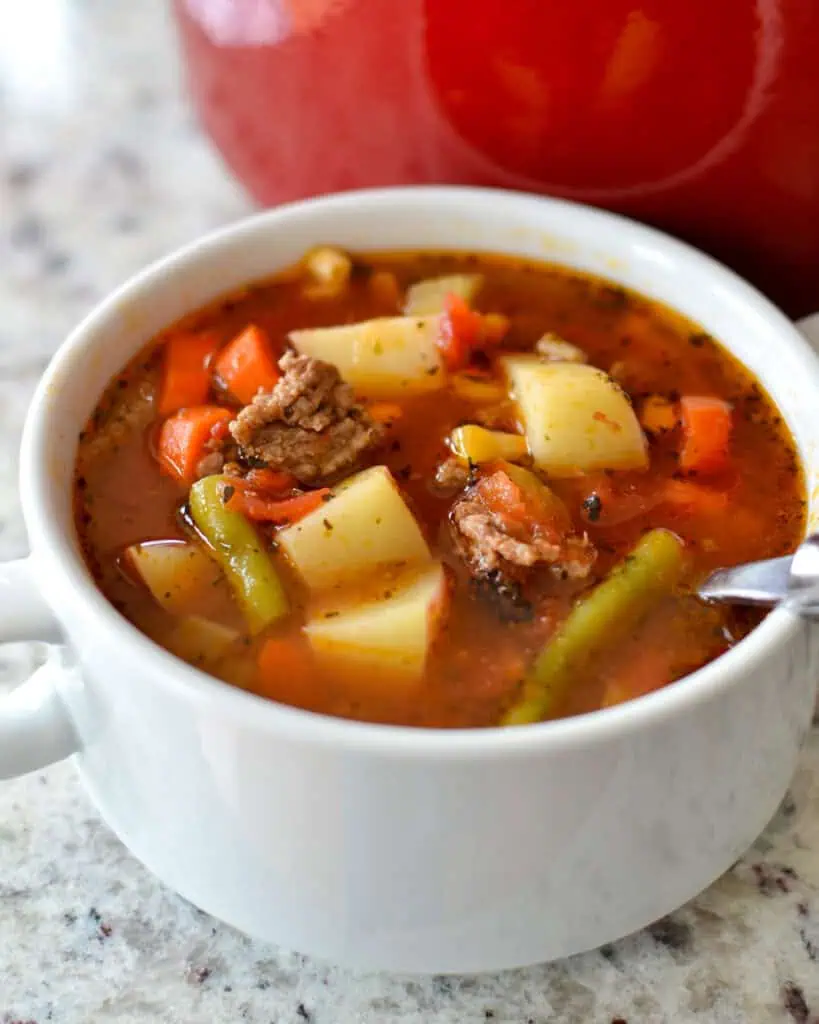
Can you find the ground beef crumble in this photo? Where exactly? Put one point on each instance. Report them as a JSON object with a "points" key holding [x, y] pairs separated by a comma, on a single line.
{"points": [[493, 547], [308, 425], [451, 475]]}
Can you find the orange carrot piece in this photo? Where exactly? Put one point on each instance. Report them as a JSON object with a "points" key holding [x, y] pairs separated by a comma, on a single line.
{"points": [[183, 436], [460, 332], [286, 669], [246, 365], [220, 431], [185, 371], [281, 513], [687, 498], [646, 669], [385, 412], [706, 434], [280, 655]]}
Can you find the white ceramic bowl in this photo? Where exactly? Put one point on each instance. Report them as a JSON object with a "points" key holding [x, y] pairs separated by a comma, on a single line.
{"points": [[384, 847]]}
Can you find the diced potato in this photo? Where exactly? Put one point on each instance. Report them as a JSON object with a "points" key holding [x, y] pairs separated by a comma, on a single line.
{"points": [[391, 631], [364, 525], [576, 417], [554, 349], [426, 298], [329, 270], [200, 641], [477, 444], [658, 415], [176, 573], [477, 389], [386, 356]]}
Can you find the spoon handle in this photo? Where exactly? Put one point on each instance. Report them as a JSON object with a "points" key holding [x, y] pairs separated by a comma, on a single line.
{"points": [[791, 581], [764, 583]]}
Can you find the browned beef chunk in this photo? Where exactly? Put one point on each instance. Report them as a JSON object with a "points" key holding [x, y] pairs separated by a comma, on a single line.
{"points": [[498, 547], [452, 475], [213, 462], [308, 425]]}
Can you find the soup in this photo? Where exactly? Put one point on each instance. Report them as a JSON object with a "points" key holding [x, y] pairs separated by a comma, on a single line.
{"points": [[434, 489]]}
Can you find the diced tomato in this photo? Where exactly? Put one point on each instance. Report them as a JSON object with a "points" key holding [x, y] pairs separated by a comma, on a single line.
{"points": [[279, 512]]}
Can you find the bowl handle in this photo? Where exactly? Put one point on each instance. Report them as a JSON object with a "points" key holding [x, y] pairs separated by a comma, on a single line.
{"points": [[35, 727]]}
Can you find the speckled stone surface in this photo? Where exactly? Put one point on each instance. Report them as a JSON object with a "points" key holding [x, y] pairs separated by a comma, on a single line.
{"points": [[102, 169]]}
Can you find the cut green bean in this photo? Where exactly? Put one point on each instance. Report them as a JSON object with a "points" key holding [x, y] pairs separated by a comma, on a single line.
{"points": [[652, 571], [239, 550]]}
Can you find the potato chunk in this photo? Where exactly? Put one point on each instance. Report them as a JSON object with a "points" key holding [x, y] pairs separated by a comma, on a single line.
{"points": [[427, 297], [390, 630], [200, 641], [387, 356], [176, 573], [577, 418], [364, 524]]}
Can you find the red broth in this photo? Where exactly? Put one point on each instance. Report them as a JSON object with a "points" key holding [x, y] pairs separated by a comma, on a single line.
{"points": [[750, 507], [699, 117]]}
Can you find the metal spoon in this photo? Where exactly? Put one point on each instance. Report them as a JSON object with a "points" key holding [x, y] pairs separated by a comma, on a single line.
{"points": [[792, 581]]}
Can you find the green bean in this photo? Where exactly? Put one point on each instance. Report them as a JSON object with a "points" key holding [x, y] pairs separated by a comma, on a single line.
{"points": [[239, 550], [599, 619]]}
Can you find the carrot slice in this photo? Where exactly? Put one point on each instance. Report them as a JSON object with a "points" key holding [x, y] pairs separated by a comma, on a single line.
{"points": [[183, 436], [185, 372], [286, 670], [460, 332], [280, 656], [246, 365], [263, 509], [647, 668], [706, 434]]}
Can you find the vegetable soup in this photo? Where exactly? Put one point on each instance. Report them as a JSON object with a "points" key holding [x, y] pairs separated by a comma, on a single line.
{"points": [[434, 489]]}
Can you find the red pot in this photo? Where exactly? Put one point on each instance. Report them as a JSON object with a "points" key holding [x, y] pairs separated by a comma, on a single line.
{"points": [[701, 117]]}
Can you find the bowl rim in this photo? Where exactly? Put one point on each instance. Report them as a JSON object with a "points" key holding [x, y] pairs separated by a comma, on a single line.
{"points": [[63, 576]]}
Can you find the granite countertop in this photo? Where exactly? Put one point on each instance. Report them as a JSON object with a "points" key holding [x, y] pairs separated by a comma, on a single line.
{"points": [[102, 169]]}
